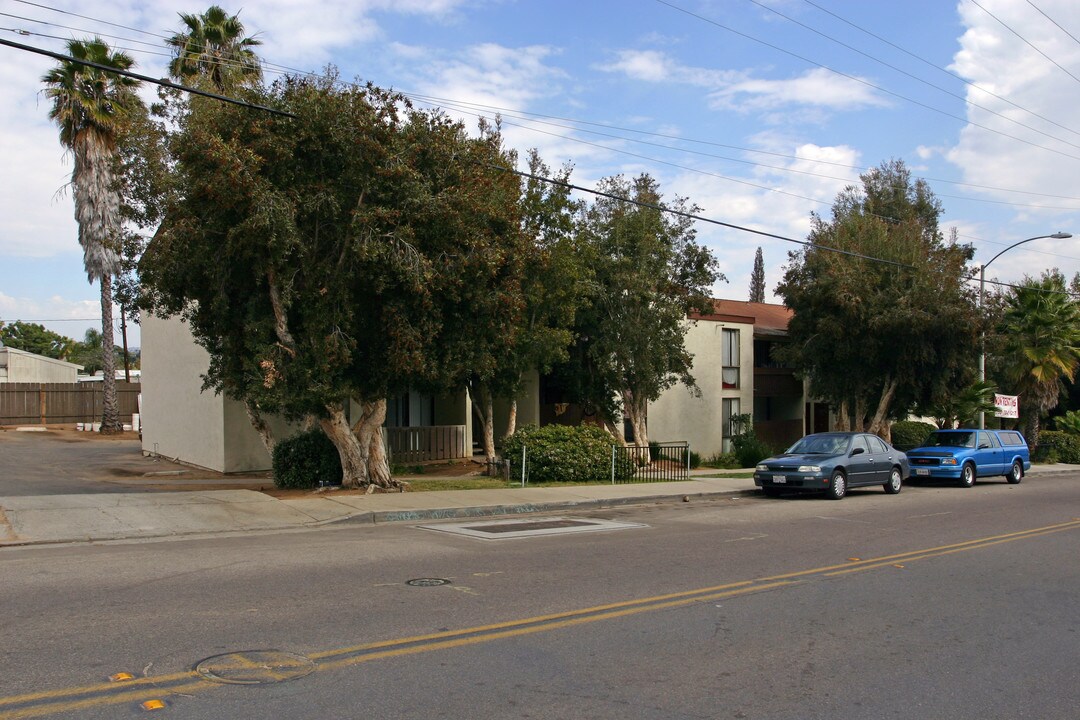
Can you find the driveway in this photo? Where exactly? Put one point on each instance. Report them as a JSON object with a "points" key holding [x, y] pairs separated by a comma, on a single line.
{"points": [[63, 461]]}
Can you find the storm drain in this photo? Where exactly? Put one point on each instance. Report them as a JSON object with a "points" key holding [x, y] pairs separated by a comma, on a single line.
{"points": [[532, 527], [255, 667]]}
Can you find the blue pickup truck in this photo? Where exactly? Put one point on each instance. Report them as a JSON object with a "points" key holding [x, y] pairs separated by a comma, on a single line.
{"points": [[964, 455]]}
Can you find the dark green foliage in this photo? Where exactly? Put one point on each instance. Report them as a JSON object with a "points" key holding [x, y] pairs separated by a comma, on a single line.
{"points": [[34, 338], [909, 434], [1057, 446], [306, 460], [724, 461], [564, 453], [695, 460], [749, 449]]}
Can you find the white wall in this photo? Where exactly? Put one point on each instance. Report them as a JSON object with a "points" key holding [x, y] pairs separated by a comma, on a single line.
{"points": [[17, 366], [678, 415]]}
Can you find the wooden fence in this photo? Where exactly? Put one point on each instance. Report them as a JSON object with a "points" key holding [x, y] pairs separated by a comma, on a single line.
{"points": [[419, 444], [45, 403]]}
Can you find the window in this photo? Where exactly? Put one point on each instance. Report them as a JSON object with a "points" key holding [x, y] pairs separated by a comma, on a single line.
{"points": [[729, 408], [877, 445], [729, 341]]}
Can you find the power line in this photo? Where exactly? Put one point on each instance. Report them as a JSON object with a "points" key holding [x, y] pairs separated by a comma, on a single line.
{"points": [[1055, 22], [280, 69], [938, 67], [911, 75], [692, 216], [144, 78], [1002, 22], [861, 81]]}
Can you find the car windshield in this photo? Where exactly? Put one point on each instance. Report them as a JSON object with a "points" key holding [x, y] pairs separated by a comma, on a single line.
{"points": [[820, 445], [951, 439]]}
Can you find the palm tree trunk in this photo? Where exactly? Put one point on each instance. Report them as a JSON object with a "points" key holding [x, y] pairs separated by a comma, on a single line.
{"points": [[110, 414]]}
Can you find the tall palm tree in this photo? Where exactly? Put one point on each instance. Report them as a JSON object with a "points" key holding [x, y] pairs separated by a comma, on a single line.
{"points": [[90, 106], [1042, 330], [214, 47]]}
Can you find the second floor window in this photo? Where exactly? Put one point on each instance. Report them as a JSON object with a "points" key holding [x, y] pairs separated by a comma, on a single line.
{"points": [[730, 359]]}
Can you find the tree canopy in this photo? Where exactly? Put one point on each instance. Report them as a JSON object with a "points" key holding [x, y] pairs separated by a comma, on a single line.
{"points": [[34, 338], [874, 338], [649, 273]]}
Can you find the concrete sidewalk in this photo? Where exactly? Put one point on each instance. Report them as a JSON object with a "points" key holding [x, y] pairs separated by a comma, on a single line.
{"points": [[96, 517]]}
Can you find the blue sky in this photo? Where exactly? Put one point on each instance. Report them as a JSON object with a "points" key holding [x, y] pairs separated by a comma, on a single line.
{"points": [[758, 118]]}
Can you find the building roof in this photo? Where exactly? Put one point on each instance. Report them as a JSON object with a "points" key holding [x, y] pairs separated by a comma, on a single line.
{"points": [[766, 318], [38, 358]]}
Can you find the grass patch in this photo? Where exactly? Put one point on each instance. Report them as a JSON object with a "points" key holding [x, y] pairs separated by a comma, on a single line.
{"points": [[727, 475], [464, 483]]}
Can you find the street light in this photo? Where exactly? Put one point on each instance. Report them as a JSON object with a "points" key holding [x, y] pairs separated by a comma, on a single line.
{"points": [[982, 287]]}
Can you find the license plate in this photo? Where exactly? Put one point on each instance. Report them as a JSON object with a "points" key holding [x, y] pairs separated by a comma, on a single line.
{"points": [[779, 479], [922, 471]]}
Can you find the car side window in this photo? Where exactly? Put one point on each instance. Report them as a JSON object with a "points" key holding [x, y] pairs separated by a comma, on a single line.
{"points": [[994, 440], [878, 445], [984, 441], [860, 442]]}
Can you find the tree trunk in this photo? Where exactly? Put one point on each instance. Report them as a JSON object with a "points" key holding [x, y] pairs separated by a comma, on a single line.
{"points": [[879, 423], [511, 422], [842, 421], [635, 412], [110, 414], [257, 422], [368, 432], [353, 454], [482, 406], [858, 420]]}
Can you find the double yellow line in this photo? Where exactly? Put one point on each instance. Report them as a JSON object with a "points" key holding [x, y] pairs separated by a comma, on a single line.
{"points": [[31, 705]]}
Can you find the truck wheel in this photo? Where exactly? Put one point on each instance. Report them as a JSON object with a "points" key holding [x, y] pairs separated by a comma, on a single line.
{"points": [[967, 475], [1016, 473]]}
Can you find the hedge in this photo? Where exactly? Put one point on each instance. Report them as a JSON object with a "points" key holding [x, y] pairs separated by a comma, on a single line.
{"points": [[1058, 446], [909, 434], [306, 460], [564, 453]]}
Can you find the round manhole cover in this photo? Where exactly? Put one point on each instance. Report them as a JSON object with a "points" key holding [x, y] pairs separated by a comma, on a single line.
{"points": [[255, 667], [427, 582]]}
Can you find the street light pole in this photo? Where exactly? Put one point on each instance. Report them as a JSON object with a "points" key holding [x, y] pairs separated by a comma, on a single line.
{"points": [[982, 290]]}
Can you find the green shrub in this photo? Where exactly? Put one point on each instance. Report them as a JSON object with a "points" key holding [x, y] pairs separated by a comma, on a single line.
{"points": [[1057, 446], [909, 434], [724, 461], [564, 453], [306, 461], [750, 450], [695, 460]]}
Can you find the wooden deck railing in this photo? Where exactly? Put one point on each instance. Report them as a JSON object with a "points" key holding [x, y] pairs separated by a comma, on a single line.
{"points": [[420, 444]]}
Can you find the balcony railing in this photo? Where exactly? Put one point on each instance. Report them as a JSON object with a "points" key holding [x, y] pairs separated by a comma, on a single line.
{"points": [[420, 444]]}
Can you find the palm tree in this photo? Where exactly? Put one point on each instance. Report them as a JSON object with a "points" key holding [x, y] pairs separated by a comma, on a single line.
{"points": [[1042, 331], [90, 106], [213, 47]]}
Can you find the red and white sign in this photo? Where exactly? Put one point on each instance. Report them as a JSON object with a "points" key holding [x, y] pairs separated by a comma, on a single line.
{"points": [[1008, 406]]}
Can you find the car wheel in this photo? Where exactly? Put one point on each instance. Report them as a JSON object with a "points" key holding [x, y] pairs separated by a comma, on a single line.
{"points": [[896, 481], [1016, 474], [967, 475], [838, 486]]}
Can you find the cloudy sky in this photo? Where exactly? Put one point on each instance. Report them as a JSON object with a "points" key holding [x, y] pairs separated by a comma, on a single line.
{"points": [[758, 111]]}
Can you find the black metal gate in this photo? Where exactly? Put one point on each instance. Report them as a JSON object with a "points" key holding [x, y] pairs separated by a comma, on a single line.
{"points": [[660, 462]]}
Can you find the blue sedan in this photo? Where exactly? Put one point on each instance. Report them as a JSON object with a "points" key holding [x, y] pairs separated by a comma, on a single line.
{"points": [[832, 463]]}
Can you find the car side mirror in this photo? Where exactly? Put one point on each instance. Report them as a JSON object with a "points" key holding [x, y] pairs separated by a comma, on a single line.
{"points": [[984, 446], [857, 451]]}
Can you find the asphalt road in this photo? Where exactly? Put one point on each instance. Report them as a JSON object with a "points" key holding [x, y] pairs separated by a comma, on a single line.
{"points": [[936, 603]]}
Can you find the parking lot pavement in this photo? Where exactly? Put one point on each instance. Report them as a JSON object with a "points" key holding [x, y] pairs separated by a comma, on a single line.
{"points": [[64, 461]]}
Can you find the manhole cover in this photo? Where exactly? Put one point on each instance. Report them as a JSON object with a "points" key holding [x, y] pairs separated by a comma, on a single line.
{"points": [[531, 526], [255, 667], [427, 582]]}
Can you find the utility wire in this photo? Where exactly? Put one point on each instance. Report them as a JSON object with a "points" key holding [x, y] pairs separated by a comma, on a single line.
{"points": [[144, 78], [1054, 21], [862, 81], [911, 75], [1002, 23], [938, 67], [280, 69]]}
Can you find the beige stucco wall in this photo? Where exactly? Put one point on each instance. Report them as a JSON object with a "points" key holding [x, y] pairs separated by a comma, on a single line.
{"points": [[678, 415], [17, 366], [528, 405]]}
